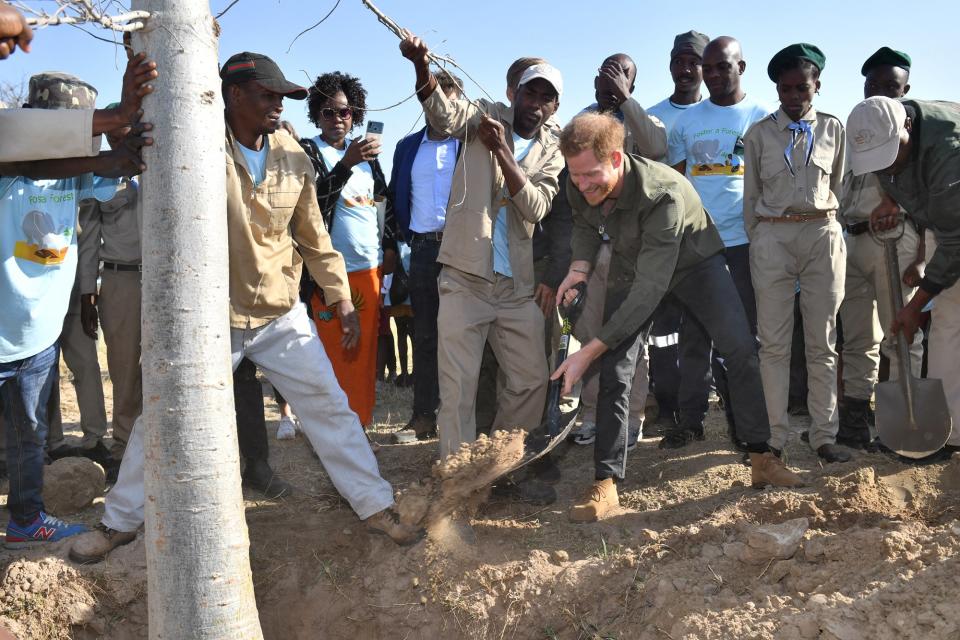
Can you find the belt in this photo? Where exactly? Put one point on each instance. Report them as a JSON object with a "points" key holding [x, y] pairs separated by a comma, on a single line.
{"points": [[113, 266], [857, 228], [433, 236], [795, 217]]}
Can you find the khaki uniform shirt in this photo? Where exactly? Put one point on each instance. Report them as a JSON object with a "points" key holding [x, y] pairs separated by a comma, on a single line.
{"points": [[861, 195], [478, 190], [659, 231], [263, 223], [46, 134], [109, 232], [770, 189]]}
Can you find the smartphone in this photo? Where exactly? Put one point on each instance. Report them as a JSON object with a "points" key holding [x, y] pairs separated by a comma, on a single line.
{"points": [[375, 131]]}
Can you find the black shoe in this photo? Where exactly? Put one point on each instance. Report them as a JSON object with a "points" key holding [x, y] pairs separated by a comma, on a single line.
{"points": [[529, 490], [63, 451], [545, 470], [679, 439], [260, 477], [804, 436], [854, 429], [797, 408], [425, 427], [832, 453], [99, 454]]}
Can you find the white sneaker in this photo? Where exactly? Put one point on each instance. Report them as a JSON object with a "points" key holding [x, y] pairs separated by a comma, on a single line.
{"points": [[287, 429], [586, 433]]}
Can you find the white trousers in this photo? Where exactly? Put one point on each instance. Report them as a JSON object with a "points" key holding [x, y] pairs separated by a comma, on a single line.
{"points": [[290, 354]]}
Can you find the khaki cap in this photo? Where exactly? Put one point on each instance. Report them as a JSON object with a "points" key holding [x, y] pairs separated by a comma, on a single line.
{"points": [[873, 134]]}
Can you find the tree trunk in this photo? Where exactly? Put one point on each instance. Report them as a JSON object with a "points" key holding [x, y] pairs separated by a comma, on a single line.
{"points": [[198, 567]]}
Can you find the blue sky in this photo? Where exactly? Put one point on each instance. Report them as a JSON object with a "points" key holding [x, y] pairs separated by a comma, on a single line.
{"points": [[484, 37]]}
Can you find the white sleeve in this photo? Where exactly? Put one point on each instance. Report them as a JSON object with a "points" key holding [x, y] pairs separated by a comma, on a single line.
{"points": [[46, 134]]}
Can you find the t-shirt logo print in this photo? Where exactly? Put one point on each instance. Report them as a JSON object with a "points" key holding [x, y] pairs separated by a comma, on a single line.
{"points": [[45, 242], [710, 160]]}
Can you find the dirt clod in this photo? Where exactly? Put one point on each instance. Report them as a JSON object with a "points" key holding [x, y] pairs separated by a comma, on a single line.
{"points": [[71, 485]]}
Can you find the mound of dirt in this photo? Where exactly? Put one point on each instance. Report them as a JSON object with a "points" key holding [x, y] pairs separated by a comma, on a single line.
{"points": [[869, 549], [44, 599], [71, 485]]}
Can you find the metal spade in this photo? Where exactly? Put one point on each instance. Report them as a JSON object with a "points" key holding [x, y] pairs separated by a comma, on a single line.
{"points": [[912, 418]]}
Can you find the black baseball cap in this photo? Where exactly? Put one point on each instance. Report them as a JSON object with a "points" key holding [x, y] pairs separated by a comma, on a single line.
{"points": [[246, 66]]}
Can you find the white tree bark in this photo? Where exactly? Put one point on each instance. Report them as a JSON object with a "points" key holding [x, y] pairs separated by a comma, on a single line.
{"points": [[198, 568]]}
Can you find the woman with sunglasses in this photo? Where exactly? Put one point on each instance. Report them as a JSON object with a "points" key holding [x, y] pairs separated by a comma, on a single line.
{"points": [[350, 184]]}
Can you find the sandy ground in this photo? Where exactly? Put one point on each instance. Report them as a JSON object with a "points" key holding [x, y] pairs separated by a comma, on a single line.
{"points": [[868, 550]]}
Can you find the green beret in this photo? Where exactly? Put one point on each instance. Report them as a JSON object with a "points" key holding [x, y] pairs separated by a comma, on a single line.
{"points": [[787, 55], [886, 55]]}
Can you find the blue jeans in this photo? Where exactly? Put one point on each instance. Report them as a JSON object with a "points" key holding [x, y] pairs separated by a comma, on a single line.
{"points": [[25, 387]]}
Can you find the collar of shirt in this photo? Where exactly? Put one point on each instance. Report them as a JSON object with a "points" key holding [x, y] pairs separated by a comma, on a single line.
{"points": [[783, 120], [426, 138]]}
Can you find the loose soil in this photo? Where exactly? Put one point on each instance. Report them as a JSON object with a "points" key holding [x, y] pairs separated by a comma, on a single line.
{"points": [[878, 558]]}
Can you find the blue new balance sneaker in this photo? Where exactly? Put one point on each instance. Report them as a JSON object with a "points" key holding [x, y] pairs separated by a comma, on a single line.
{"points": [[45, 528]]}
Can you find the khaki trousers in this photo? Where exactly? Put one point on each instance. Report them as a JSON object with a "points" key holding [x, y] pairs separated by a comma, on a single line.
{"points": [[473, 311], [80, 355], [943, 356], [588, 326], [865, 313], [119, 307], [783, 254]]}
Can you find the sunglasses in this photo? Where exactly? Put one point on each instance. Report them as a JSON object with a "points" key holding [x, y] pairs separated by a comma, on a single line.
{"points": [[330, 113]]}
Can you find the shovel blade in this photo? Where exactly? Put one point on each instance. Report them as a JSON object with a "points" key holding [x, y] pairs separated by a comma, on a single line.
{"points": [[539, 442], [930, 411]]}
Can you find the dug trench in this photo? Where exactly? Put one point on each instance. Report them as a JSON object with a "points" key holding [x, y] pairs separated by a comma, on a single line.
{"points": [[869, 549]]}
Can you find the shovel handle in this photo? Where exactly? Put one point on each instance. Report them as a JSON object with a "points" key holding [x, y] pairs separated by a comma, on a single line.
{"points": [[896, 304]]}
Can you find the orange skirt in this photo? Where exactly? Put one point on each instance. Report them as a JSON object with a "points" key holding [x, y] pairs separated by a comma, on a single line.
{"points": [[356, 369]]}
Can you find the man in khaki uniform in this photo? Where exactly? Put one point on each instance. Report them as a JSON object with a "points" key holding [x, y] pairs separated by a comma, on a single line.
{"points": [[887, 73], [503, 185], [794, 166], [110, 234]]}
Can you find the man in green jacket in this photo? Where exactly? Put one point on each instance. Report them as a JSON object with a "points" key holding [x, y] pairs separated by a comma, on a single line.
{"points": [[914, 147], [664, 244]]}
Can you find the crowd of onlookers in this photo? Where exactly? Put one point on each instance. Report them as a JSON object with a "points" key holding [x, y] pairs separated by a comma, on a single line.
{"points": [[724, 245]]}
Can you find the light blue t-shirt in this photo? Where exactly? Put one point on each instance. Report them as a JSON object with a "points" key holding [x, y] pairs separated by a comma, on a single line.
{"points": [[256, 161], [356, 229], [38, 257], [668, 112], [710, 139], [501, 239]]}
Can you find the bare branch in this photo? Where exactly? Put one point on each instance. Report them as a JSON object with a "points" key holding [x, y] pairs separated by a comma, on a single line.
{"points": [[229, 6], [314, 26], [74, 12]]}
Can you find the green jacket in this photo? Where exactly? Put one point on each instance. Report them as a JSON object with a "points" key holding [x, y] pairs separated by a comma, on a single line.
{"points": [[929, 187], [659, 230]]}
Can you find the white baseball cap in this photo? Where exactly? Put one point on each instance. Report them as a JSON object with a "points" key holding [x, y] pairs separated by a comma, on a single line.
{"points": [[873, 134], [546, 71]]}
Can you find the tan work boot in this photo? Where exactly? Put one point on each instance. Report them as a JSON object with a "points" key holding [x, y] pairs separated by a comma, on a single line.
{"points": [[602, 498], [93, 546], [768, 469], [387, 522]]}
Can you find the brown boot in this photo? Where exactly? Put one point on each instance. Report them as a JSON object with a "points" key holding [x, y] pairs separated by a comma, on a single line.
{"points": [[387, 522], [768, 469], [93, 546], [601, 499]]}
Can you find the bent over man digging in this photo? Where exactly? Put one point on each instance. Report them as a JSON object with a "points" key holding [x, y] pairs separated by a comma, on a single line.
{"points": [[663, 244]]}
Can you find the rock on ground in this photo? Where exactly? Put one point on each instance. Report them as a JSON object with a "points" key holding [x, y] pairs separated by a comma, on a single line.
{"points": [[71, 485]]}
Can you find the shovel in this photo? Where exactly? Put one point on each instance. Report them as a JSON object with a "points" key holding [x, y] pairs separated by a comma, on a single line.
{"points": [[557, 425], [913, 418]]}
